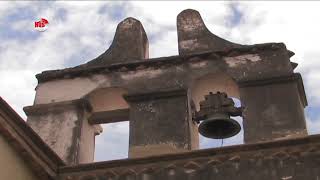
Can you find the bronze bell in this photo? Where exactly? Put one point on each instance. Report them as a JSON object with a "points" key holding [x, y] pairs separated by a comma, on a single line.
{"points": [[215, 112]]}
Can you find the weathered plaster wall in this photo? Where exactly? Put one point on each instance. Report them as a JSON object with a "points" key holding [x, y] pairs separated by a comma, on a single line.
{"points": [[193, 127], [12, 167], [58, 129], [65, 90], [87, 141], [193, 35], [107, 99], [275, 112], [250, 66], [152, 123], [198, 75], [64, 127], [294, 159], [130, 43], [205, 63]]}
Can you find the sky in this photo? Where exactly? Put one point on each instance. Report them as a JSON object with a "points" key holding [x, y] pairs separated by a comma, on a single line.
{"points": [[80, 31]]}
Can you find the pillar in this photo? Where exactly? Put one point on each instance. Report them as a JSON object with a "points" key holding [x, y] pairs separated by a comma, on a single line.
{"points": [[161, 123], [273, 108], [65, 128]]}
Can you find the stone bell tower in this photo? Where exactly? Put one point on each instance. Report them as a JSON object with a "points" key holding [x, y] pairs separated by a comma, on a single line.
{"points": [[160, 96]]}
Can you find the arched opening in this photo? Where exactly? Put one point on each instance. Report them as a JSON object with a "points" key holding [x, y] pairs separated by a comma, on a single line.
{"points": [[107, 99], [215, 82], [113, 142], [111, 111]]}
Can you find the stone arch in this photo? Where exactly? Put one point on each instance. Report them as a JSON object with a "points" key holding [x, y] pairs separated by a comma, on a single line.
{"points": [[107, 99], [110, 110], [213, 82]]}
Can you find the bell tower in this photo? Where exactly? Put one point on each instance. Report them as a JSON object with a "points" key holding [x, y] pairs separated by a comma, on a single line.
{"points": [[165, 98]]}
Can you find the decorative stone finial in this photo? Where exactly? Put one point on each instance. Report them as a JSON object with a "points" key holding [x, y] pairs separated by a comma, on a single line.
{"points": [[130, 43], [193, 35]]}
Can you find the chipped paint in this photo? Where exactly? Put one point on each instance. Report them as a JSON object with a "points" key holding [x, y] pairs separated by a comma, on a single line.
{"points": [[243, 59], [156, 149], [69, 89], [150, 73], [287, 177], [127, 23], [289, 134], [199, 64], [192, 44], [146, 107], [56, 129]]}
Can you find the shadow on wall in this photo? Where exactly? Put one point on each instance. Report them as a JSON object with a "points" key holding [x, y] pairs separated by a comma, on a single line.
{"points": [[106, 99]]}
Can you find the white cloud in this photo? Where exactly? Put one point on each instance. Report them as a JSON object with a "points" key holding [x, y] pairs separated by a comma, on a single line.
{"points": [[313, 126], [159, 20], [295, 25], [20, 60], [114, 143]]}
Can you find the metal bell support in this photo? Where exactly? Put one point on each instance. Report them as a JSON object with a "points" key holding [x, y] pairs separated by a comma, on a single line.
{"points": [[214, 115]]}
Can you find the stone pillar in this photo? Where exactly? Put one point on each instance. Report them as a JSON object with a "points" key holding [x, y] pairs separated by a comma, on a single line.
{"points": [[64, 127], [161, 123], [274, 108]]}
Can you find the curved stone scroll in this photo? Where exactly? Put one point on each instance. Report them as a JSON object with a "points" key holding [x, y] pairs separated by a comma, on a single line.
{"points": [[130, 43], [194, 36]]}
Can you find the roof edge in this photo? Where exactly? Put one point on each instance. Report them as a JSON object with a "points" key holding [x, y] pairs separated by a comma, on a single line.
{"points": [[23, 139], [76, 71], [311, 139]]}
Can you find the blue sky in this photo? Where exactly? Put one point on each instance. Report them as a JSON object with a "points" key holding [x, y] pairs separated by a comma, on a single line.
{"points": [[80, 31]]}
